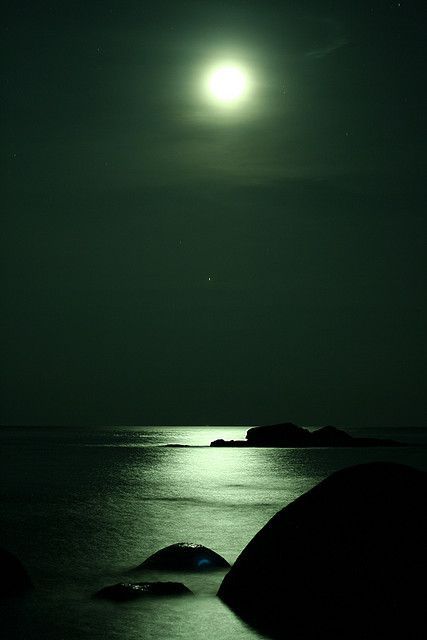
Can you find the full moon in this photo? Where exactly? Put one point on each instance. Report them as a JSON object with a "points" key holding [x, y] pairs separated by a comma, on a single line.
{"points": [[228, 84]]}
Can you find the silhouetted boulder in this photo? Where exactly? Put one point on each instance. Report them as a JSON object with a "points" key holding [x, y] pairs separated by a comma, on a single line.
{"points": [[14, 579], [346, 559], [288, 434], [124, 591], [185, 556]]}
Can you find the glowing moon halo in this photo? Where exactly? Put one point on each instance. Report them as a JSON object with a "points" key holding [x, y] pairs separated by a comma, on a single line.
{"points": [[227, 84]]}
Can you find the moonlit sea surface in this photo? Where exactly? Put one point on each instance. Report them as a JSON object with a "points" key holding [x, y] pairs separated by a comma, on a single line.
{"points": [[83, 507]]}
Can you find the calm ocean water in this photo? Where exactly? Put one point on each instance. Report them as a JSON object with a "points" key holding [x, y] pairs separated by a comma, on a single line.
{"points": [[83, 507]]}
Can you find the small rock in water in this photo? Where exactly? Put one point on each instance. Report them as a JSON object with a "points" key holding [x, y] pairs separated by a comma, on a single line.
{"points": [[124, 591], [185, 556]]}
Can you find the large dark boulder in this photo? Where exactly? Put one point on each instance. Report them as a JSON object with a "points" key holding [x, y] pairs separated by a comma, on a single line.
{"points": [[124, 591], [14, 579], [346, 559], [185, 556]]}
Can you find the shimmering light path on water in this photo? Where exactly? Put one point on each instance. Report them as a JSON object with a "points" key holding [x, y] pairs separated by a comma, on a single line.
{"points": [[82, 508]]}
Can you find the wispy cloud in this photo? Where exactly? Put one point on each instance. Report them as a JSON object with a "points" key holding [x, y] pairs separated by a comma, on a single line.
{"points": [[323, 36], [327, 49]]}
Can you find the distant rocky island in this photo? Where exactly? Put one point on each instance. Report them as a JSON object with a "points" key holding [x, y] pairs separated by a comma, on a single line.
{"points": [[287, 434]]}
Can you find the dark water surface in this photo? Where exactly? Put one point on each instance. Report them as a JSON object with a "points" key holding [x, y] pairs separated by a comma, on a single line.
{"points": [[83, 507]]}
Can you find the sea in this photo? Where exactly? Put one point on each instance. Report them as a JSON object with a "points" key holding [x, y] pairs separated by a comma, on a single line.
{"points": [[83, 507]]}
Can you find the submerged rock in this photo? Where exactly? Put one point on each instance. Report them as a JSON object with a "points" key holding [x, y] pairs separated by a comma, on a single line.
{"points": [[288, 434], [124, 591], [14, 579], [347, 558], [185, 556]]}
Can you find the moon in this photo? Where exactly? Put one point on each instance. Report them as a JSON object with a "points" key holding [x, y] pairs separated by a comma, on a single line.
{"points": [[228, 84]]}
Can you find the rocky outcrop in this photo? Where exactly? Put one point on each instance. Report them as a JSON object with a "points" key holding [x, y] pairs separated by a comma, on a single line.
{"points": [[185, 556], [124, 591], [288, 434], [177, 445], [14, 579], [229, 443], [346, 559]]}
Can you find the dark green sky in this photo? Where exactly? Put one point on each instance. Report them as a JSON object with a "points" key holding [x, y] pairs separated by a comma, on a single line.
{"points": [[125, 190]]}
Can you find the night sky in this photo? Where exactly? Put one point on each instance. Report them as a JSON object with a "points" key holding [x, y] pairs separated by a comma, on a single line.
{"points": [[167, 260]]}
